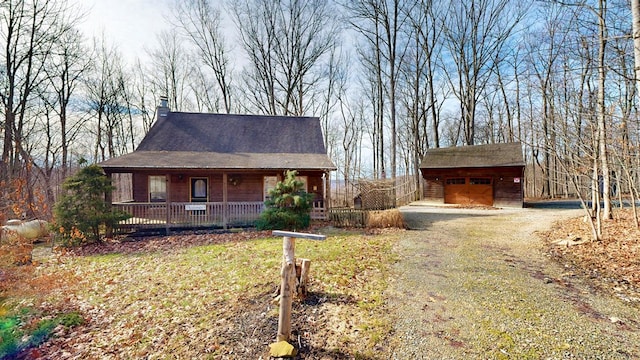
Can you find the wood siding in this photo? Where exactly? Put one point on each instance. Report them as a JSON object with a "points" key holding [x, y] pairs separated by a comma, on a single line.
{"points": [[242, 186], [140, 187], [508, 189], [434, 189], [179, 187], [245, 187], [314, 184]]}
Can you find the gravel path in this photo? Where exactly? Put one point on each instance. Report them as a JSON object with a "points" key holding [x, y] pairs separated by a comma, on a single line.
{"points": [[475, 284]]}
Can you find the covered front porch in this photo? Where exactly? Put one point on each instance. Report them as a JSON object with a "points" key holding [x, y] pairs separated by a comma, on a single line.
{"points": [[181, 199]]}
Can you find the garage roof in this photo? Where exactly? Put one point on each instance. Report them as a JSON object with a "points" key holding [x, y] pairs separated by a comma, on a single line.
{"points": [[475, 156]]}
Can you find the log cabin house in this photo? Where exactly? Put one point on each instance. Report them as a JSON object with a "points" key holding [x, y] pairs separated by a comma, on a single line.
{"points": [[491, 175], [216, 170]]}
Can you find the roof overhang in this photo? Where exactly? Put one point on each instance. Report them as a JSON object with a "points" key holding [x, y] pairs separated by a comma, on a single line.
{"points": [[475, 156], [193, 160], [449, 167]]}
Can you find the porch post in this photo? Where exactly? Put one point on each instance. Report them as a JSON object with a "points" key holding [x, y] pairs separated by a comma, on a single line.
{"points": [[168, 203], [225, 211], [327, 193], [108, 198]]}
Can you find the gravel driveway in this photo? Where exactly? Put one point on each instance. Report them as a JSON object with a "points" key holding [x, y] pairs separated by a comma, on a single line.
{"points": [[475, 284]]}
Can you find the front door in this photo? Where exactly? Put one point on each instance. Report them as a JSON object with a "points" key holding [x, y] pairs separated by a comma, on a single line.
{"points": [[199, 189]]}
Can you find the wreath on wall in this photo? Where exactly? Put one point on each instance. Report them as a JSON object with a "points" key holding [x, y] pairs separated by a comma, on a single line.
{"points": [[234, 180]]}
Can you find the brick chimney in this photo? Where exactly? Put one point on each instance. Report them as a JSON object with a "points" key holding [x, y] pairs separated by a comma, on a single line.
{"points": [[163, 108]]}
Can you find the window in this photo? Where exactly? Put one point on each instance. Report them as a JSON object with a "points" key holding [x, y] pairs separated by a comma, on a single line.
{"points": [[304, 180], [269, 184], [199, 188], [480, 181], [157, 188], [456, 181]]}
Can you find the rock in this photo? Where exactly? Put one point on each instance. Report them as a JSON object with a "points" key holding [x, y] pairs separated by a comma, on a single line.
{"points": [[28, 230], [569, 242], [282, 349]]}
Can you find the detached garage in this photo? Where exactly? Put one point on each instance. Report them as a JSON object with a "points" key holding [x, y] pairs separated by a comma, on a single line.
{"points": [[489, 175]]}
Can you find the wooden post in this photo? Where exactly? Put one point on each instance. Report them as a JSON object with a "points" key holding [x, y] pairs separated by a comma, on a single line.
{"points": [[288, 278], [108, 198], [225, 203], [305, 267], [288, 275], [327, 194], [168, 203]]}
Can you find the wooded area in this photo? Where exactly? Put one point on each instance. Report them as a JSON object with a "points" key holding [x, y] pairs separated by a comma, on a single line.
{"points": [[388, 78]]}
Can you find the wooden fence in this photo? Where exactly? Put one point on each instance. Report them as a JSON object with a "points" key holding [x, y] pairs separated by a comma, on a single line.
{"points": [[347, 217], [376, 194]]}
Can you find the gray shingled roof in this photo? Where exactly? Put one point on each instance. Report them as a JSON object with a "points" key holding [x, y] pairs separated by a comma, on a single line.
{"points": [[492, 155], [222, 141]]}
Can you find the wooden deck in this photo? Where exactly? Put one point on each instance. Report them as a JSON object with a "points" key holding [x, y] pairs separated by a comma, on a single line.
{"points": [[204, 214]]}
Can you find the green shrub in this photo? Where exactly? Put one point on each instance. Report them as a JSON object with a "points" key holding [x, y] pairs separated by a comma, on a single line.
{"points": [[71, 319], [14, 337], [288, 207], [9, 339], [82, 211], [42, 332]]}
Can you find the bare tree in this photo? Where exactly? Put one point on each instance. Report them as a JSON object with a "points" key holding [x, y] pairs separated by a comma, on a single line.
{"points": [[352, 115], [28, 33], [60, 125], [635, 21], [476, 34], [381, 23], [106, 100], [170, 70], [372, 81], [28, 30], [600, 12], [421, 95], [69, 63], [545, 65], [285, 41], [144, 97], [200, 21], [602, 123]]}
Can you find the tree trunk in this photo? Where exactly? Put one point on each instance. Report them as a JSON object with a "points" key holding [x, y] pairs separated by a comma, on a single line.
{"points": [[602, 126], [635, 12]]}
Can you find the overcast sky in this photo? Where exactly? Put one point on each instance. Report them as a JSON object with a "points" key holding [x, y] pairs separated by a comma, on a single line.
{"points": [[132, 25]]}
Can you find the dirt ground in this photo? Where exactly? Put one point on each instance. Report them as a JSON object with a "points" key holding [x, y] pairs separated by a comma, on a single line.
{"points": [[478, 284]]}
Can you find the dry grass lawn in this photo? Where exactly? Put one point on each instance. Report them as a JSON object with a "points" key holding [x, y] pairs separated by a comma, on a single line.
{"points": [[204, 296]]}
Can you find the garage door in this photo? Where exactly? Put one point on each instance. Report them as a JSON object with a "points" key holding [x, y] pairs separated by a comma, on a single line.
{"points": [[468, 191]]}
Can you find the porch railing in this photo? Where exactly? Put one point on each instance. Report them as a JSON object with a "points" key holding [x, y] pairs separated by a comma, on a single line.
{"points": [[187, 214], [318, 211], [206, 214]]}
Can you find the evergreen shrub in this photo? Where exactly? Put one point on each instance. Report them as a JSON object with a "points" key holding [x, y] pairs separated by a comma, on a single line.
{"points": [[288, 206], [83, 211]]}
